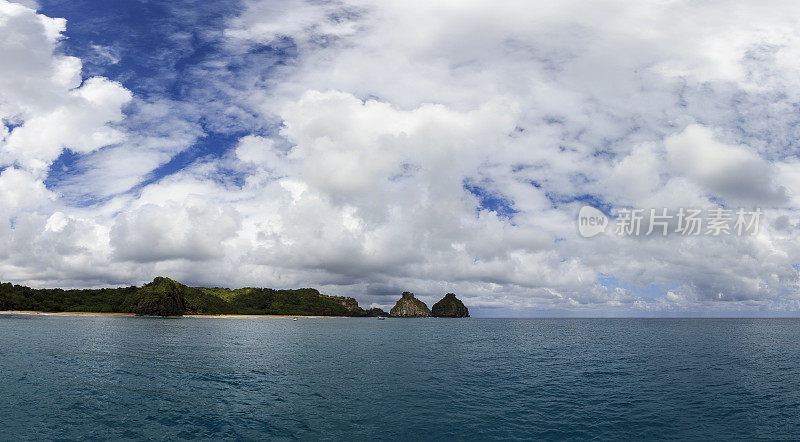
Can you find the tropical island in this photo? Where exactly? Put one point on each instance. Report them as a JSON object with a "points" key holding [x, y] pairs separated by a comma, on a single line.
{"points": [[166, 297]]}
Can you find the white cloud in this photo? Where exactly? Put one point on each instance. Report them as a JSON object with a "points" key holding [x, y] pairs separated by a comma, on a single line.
{"points": [[41, 93], [736, 173], [388, 110], [352, 149], [192, 231], [21, 191]]}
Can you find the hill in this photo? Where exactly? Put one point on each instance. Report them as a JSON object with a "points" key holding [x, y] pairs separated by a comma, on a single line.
{"points": [[165, 297]]}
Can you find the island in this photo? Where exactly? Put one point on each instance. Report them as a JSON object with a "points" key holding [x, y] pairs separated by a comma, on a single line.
{"points": [[450, 307], [166, 297], [410, 307]]}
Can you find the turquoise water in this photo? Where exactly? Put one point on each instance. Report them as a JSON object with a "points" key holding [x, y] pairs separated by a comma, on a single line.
{"points": [[64, 377]]}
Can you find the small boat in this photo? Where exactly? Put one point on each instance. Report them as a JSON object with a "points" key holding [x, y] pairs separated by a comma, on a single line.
{"points": [[381, 318], [294, 319]]}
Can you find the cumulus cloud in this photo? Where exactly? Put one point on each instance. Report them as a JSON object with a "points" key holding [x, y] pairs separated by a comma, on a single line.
{"points": [[621, 102], [43, 96], [20, 191], [192, 231], [431, 146], [733, 172]]}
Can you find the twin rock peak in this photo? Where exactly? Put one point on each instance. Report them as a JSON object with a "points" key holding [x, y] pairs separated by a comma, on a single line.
{"points": [[448, 307]]}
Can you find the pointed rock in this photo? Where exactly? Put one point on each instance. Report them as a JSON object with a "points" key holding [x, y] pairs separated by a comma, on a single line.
{"points": [[410, 307], [450, 307]]}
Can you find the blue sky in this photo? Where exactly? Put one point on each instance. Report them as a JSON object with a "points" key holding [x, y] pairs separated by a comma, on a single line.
{"points": [[368, 149], [158, 51]]}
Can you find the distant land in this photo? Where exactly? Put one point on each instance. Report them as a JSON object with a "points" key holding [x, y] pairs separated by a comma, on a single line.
{"points": [[166, 297]]}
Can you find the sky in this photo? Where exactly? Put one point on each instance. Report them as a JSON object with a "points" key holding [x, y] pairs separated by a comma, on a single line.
{"points": [[370, 148]]}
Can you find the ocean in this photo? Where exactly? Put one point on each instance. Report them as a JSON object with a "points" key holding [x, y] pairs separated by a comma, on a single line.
{"points": [[95, 377]]}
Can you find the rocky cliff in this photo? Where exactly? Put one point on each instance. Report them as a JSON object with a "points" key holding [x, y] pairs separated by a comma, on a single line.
{"points": [[353, 308], [450, 307], [410, 307], [349, 303]]}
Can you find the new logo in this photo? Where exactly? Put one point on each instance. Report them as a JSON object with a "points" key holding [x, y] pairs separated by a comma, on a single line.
{"points": [[591, 222]]}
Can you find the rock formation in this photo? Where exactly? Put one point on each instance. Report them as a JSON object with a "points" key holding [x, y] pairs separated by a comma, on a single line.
{"points": [[349, 303], [410, 307], [375, 312], [450, 307], [352, 306]]}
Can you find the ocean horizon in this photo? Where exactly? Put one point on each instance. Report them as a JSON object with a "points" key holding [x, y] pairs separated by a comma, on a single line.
{"points": [[357, 220]]}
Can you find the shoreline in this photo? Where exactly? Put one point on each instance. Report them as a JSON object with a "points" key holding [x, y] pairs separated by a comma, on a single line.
{"points": [[34, 312]]}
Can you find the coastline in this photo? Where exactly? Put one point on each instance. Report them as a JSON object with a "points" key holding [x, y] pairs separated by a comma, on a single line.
{"points": [[166, 297], [33, 312], [260, 316]]}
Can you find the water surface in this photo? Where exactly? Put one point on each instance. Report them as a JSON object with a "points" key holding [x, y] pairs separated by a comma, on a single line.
{"points": [[361, 378]]}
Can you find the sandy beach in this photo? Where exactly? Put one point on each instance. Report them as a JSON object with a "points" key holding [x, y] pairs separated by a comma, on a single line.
{"points": [[30, 312], [259, 316]]}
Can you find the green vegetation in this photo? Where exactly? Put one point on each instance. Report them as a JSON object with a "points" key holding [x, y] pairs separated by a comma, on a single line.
{"points": [[450, 307], [165, 297]]}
